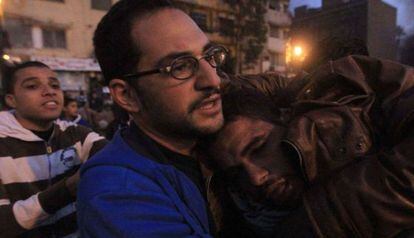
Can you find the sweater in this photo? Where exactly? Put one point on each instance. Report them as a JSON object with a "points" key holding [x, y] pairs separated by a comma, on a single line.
{"points": [[34, 201], [124, 192]]}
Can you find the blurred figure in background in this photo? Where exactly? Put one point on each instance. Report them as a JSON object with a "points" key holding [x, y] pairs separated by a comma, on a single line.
{"points": [[102, 116], [70, 112], [121, 120]]}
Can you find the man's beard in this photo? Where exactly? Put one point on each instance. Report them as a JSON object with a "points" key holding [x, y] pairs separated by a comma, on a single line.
{"points": [[161, 117]]}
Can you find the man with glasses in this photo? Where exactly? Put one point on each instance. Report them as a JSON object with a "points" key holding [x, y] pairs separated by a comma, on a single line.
{"points": [[161, 69]]}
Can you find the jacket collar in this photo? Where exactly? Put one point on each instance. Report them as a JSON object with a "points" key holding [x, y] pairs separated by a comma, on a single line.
{"points": [[142, 143], [10, 127]]}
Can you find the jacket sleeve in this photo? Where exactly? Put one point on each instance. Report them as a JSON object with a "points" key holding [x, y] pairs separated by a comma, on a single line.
{"points": [[23, 215], [91, 142], [372, 198], [144, 210], [9, 227]]}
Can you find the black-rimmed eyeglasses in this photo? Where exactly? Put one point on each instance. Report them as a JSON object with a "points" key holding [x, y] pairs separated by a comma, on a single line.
{"points": [[184, 67]]}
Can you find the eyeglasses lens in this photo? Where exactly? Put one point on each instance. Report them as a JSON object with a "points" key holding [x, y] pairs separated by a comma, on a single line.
{"points": [[185, 67], [217, 57]]}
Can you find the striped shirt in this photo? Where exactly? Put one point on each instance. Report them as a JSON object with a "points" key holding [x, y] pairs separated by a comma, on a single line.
{"points": [[34, 201]]}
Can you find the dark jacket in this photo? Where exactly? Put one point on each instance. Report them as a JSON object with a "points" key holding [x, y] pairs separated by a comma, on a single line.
{"points": [[353, 131]]}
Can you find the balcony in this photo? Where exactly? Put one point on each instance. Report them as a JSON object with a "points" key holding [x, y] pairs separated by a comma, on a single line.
{"points": [[276, 45], [278, 18]]}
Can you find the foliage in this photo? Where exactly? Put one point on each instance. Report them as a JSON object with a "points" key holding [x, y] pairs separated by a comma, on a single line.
{"points": [[250, 29]]}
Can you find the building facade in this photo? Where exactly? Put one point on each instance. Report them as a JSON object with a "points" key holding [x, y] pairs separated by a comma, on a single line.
{"points": [[279, 21], [372, 21], [56, 32], [59, 33], [217, 19]]}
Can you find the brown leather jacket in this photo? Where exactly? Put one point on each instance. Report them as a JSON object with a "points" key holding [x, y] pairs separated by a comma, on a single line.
{"points": [[354, 135]]}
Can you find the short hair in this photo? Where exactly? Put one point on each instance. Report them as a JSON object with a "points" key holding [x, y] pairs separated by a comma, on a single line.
{"points": [[264, 96], [10, 73], [333, 48], [68, 100], [115, 49]]}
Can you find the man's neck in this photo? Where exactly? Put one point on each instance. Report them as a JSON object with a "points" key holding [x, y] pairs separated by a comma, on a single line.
{"points": [[33, 125], [180, 145]]}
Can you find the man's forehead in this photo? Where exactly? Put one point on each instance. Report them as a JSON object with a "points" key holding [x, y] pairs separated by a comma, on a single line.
{"points": [[34, 72], [168, 31], [238, 132]]}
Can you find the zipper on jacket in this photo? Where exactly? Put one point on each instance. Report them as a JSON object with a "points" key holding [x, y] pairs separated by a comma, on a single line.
{"points": [[49, 162]]}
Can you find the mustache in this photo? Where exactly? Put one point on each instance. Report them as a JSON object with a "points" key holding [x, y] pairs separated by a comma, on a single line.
{"points": [[205, 95]]}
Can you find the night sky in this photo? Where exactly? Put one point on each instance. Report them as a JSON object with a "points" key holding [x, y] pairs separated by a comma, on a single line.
{"points": [[405, 11]]}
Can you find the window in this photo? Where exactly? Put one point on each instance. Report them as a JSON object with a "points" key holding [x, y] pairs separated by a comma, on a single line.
{"points": [[101, 4], [19, 33], [274, 31], [285, 6], [200, 19], [226, 26], [277, 59], [54, 38], [286, 34]]}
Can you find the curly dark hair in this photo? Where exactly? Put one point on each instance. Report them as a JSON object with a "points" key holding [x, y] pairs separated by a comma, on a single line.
{"points": [[265, 96], [115, 49]]}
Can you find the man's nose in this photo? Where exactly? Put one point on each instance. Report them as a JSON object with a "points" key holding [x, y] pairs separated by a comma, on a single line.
{"points": [[48, 90], [257, 175], [206, 76]]}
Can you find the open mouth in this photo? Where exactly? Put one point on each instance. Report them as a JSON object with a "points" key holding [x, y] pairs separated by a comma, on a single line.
{"points": [[50, 104], [211, 103]]}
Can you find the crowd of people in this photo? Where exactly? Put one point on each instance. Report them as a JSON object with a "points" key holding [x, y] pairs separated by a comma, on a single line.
{"points": [[196, 152]]}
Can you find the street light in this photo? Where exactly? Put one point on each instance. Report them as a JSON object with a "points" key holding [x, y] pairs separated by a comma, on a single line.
{"points": [[298, 51]]}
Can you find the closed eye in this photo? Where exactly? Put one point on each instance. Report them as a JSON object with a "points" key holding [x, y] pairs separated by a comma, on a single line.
{"points": [[254, 146]]}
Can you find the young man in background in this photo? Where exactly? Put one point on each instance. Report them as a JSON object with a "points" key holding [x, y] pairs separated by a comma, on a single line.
{"points": [[39, 157], [70, 112]]}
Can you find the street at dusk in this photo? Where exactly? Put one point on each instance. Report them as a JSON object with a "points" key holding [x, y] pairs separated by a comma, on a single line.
{"points": [[206, 118]]}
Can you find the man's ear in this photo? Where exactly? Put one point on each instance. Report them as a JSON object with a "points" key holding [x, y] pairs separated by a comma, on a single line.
{"points": [[10, 100], [124, 95]]}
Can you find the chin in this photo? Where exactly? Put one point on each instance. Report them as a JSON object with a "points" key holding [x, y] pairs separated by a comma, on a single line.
{"points": [[212, 127], [48, 117]]}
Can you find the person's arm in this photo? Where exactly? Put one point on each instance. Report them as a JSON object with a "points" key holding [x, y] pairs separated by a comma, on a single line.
{"points": [[90, 142], [130, 209], [22, 215]]}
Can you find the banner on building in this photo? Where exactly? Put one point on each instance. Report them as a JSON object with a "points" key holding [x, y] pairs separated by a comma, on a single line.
{"points": [[68, 64]]}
